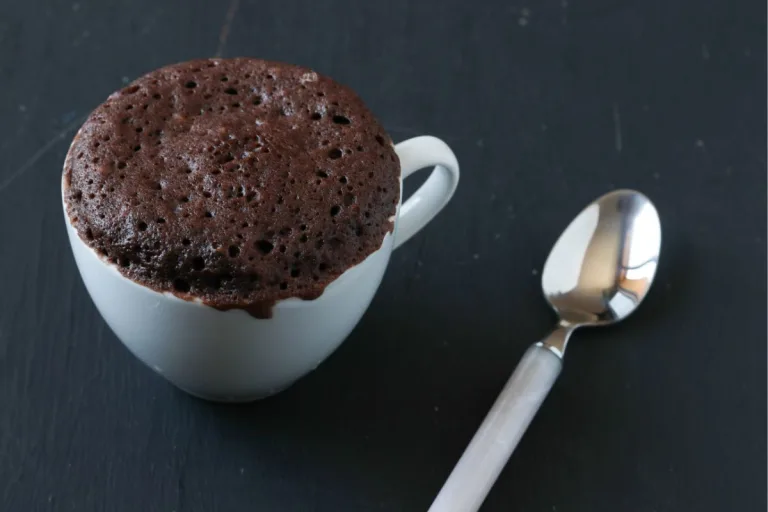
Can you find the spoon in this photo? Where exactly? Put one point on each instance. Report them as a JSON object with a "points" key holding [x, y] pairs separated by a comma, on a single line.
{"points": [[597, 273]]}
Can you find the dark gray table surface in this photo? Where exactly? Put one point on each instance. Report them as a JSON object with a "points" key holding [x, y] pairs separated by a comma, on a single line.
{"points": [[547, 105]]}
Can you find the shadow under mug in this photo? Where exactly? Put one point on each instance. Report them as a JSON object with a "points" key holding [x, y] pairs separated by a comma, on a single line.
{"points": [[234, 357]]}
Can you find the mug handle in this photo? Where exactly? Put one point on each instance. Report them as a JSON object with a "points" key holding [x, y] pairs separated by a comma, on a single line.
{"points": [[434, 194]]}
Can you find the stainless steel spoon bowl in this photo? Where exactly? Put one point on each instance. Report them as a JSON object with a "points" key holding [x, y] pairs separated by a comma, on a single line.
{"points": [[597, 273], [603, 264]]}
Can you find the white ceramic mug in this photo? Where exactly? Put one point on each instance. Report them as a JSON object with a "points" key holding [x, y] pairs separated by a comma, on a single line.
{"points": [[232, 356]]}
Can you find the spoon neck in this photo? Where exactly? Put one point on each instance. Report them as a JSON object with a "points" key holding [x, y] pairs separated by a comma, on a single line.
{"points": [[557, 340]]}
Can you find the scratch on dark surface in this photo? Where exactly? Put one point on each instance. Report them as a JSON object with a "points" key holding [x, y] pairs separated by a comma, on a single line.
{"points": [[20, 128], [181, 479], [99, 370], [68, 117], [704, 52], [564, 18], [31, 161], [40, 262], [100, 335], [417, 262], [151, 21], [228, 19], [617, 127], [563, 176]]}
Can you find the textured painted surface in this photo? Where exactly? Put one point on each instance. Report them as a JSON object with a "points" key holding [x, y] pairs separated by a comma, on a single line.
{"points": [[547, 105]]}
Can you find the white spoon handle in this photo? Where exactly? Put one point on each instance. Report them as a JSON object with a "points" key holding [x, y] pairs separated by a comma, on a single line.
{"points": [[497, 437]]}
